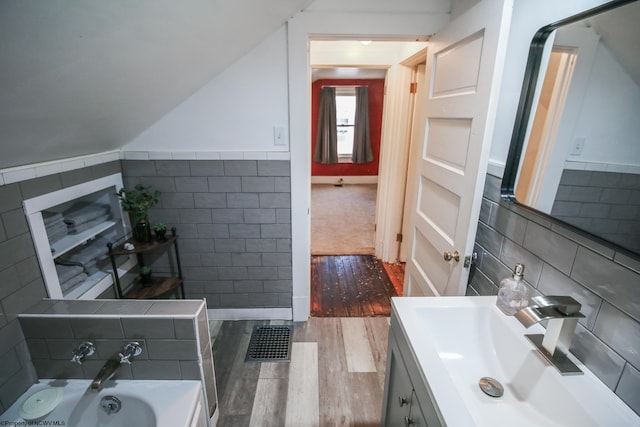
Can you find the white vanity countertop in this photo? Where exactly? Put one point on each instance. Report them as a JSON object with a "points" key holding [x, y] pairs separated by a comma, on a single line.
{"points": [[458, 340]]}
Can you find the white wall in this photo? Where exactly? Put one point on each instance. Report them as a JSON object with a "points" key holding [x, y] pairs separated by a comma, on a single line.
{"points": [[528, 17], [236, 111], [610, 115]]}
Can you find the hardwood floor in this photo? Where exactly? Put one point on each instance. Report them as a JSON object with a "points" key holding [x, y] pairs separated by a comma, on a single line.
{"points": [[335, 376], [350, 286]]}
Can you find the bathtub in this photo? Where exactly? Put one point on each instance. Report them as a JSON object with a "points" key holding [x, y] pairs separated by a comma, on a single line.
{"points": [[139, 403]]}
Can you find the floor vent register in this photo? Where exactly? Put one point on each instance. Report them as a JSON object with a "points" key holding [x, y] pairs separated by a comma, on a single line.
{"points": [[270, 344]]}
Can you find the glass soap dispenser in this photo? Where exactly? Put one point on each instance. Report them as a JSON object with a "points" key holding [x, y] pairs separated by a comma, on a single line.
{"points": [[513, 294]]}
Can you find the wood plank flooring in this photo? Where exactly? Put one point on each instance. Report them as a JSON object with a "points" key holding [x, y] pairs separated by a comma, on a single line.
{"points": [[335, 377], [350, 286]]}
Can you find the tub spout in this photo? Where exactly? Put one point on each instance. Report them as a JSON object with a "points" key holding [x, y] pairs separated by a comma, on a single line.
{"points": [[129, 351], [106, 373]]}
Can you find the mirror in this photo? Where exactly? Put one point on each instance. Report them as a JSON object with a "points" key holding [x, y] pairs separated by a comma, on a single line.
{"points": [[575, 149]]}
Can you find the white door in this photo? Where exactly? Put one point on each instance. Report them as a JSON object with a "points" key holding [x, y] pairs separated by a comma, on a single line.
{"points": [[464, 66]]}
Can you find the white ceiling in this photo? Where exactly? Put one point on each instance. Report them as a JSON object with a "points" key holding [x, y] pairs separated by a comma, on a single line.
{"points": [[619, 30], [85, 77]]}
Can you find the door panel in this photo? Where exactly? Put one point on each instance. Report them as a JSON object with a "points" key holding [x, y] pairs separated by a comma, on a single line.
{"points": [[464, 65], [449, 77]]}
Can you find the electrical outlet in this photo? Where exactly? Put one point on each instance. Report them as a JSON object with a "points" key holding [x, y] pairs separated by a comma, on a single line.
{"points": [[578, 145]]}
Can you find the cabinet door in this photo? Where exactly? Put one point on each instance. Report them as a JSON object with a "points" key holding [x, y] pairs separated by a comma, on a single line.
{"points": [[398, 389], [416, 418]]}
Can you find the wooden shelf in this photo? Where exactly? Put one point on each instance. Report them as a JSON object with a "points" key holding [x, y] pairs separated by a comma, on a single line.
{"points": [[159, 286], [141, 247]]}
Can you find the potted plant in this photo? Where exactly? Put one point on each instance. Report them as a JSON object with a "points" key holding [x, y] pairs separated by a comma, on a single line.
{"points": [[145, 275], [161, 232], [137, 202]]}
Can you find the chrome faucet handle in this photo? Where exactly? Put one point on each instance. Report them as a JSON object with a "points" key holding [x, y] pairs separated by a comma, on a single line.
{"points": [[83, 350], [129, 351], [564, 304]]}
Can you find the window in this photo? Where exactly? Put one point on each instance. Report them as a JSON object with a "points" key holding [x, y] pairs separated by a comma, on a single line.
{"points": [[345, 120]]}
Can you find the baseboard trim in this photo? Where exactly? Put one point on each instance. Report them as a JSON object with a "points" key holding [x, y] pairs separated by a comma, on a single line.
{"points": [[250, 314], [345, 180]]}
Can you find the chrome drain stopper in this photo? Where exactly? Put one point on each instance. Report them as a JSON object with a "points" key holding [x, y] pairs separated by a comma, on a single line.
{"points": [[491, 387]]}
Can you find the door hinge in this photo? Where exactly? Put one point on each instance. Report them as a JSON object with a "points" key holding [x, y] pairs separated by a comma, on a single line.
{"points": [[413, 87], [470, 260], [399, 237]]}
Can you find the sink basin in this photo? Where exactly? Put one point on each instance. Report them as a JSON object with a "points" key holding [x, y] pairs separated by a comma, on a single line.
{"points": [[458, 340]]}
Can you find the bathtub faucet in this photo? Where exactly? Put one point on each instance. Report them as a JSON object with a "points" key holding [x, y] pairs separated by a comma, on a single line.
{"points": [[110, 368], [82, 351]]}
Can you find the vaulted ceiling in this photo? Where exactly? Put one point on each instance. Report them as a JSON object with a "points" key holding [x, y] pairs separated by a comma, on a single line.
{"points": [[85, 77]]}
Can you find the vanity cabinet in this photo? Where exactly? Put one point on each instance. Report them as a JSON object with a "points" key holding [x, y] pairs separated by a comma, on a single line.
{"points": [[70, 229], [407, 399]]}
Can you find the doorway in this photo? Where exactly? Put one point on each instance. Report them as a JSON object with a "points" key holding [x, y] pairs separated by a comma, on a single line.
{"points": [[349, 213]]}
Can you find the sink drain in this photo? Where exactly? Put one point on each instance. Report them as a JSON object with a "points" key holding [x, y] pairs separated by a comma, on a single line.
{"points": [[491, 387]]}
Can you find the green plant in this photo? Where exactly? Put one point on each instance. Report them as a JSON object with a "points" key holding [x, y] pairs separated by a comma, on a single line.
{"points": [[144, 270], [138, 201], [159, 227]]}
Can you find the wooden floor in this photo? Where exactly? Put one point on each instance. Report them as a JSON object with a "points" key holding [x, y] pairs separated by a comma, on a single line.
{"points": [[335, 377], [350, 286]]}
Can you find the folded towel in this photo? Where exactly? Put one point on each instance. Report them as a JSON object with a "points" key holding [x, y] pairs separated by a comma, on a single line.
{"points": [[57, 235], [87, 257], [73, 283], [51, 217], [79, 228], [67, 272], [83, 212]]}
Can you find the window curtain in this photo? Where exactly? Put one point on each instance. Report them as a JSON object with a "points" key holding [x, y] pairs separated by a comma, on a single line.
{"points": [[326, 150], [362, 152]]}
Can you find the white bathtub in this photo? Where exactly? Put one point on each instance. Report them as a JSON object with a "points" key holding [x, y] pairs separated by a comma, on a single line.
{"points": [[143, 403]]}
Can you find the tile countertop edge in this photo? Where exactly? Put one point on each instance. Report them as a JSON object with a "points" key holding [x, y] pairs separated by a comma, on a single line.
{"points": [[45, 308]]}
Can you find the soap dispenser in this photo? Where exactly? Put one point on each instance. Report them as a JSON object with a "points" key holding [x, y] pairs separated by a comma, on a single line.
{"points": [[513, 294]]}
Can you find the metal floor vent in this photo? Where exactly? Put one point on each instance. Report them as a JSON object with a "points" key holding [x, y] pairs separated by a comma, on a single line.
{"points": [[270, 344]]}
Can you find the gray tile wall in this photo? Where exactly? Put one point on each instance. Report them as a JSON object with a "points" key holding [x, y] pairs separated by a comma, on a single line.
{"points": [[560, 262], [234, 222], [605, 203], [21, 283]]}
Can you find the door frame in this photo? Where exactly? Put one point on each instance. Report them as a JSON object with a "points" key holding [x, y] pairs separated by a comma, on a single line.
{"points": [[301, 29]]}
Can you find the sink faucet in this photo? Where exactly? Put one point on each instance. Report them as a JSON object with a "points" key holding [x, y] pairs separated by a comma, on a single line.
{"points": [[110, 368], [563, 313], [83, 350]]}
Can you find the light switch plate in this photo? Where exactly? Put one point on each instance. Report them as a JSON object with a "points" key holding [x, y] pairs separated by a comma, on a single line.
{"points": [[279, 136]]}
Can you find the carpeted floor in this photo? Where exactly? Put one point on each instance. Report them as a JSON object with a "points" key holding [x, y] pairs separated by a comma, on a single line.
{"points": [[342, 219]]}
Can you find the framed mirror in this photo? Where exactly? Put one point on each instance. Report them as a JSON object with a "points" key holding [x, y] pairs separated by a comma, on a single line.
{"points": [[575, 148]]}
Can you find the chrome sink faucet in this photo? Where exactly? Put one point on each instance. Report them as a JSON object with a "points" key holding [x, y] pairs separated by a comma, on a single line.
{"points": [[110, 368], [563, 313]]}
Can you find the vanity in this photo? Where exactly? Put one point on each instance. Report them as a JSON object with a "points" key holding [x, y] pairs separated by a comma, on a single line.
{"points": [[440, 349]]}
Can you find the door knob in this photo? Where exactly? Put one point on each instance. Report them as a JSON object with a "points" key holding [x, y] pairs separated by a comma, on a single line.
{"points": [[455, 255]]}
